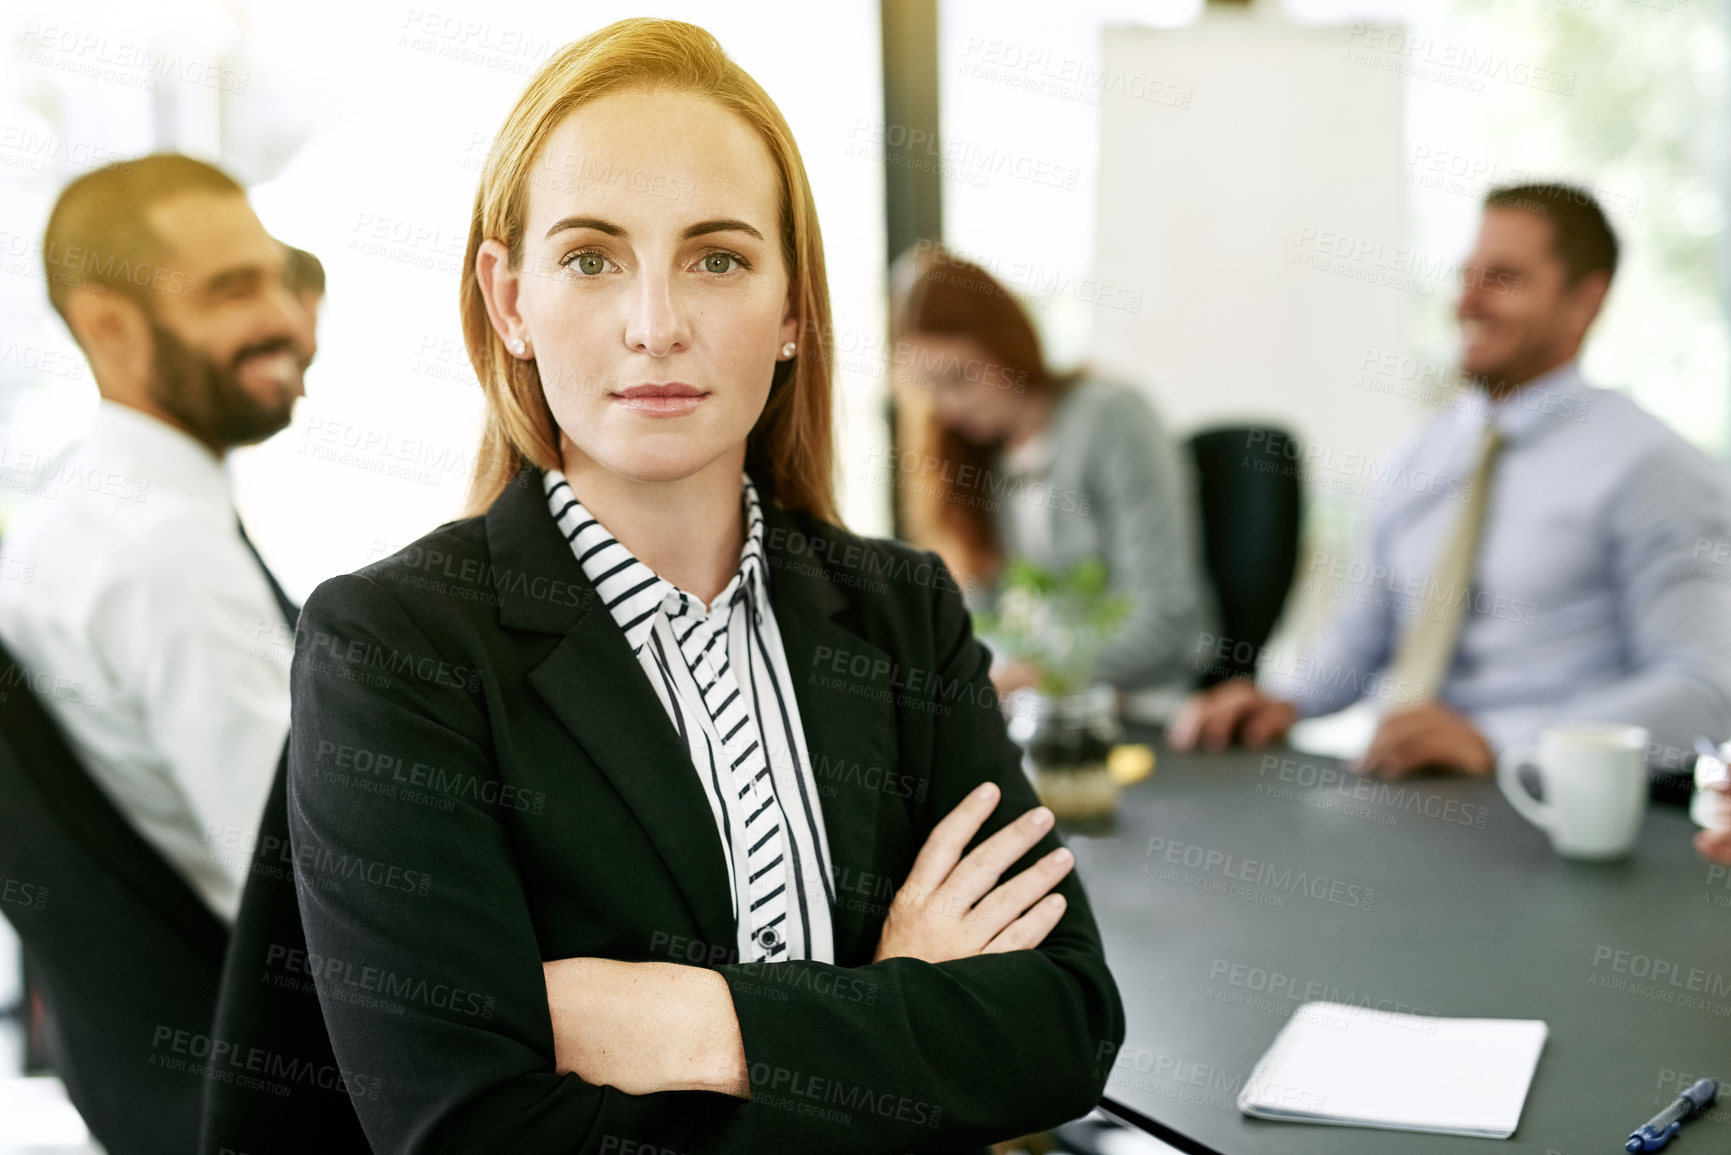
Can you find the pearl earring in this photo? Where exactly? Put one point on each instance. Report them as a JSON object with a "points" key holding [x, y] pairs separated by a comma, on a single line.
{"points": [[789, 349], [517, 346]]}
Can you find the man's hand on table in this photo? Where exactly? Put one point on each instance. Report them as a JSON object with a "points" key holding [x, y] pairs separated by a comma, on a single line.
{"points": [[1714, 845], [1232, 711], [1428, 737]]}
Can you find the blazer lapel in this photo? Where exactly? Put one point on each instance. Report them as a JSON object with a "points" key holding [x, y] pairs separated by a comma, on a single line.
{"points": [[594, 685], [849, 723]]}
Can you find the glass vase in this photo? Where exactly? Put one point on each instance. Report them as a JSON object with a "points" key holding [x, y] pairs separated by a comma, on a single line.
{"points": [[1066, 742]]}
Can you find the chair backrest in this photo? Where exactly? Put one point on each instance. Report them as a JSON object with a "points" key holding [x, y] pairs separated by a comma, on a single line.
{"points": [[1251, 492], [268, 1006], [124, 953]]}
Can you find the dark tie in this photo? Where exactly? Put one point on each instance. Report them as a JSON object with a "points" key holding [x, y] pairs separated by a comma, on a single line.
{"points": [[291, 613]]}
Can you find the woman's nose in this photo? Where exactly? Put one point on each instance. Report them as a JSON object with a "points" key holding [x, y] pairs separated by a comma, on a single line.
{"points": [[657, 323]]}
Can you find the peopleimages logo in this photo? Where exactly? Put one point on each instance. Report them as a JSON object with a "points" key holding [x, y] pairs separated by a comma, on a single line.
{"points": [[1667, 972], [449, 785], [1359, 788], [217, 1058], [811, 1094], [1232, 868], [322, 866], [380, 981], [21, 893], [357, 656], [1249, 981]]}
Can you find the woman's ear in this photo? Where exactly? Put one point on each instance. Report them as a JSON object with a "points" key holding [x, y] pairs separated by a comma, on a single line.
{"points": [[500, 288]]}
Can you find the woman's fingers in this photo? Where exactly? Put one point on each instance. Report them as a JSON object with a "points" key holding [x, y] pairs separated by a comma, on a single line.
{"points": [[1001, 907], [1031, 929], [938, 912], [979, 872], [944, 846]]}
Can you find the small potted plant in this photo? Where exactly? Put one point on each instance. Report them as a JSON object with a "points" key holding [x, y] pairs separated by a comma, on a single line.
{"points": [[1067, 725]]}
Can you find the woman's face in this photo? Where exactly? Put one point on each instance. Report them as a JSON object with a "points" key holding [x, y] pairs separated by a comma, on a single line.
{"points": [[652, 257], [973, 396]]}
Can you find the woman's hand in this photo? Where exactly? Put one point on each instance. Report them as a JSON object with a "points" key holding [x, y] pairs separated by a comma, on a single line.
{"points": [[951, 907]]}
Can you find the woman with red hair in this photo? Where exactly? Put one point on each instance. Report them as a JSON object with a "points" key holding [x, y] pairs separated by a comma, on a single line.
{"points": [[1022, 462], [618, 822]]}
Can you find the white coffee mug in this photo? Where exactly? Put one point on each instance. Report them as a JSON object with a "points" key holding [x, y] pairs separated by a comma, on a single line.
{"points": [[1594, 778], [1710, 806]]}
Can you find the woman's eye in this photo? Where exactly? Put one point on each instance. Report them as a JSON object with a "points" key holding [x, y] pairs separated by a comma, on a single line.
{"points": [[589, 264], [719, 263]]}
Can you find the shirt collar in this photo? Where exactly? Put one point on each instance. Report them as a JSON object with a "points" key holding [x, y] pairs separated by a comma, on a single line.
{"points": [[133, 442], [633, 592], [1032, 458], [1549, 401]]}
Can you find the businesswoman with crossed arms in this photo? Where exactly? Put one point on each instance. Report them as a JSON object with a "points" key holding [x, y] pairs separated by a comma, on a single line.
{"points": [[717, 841]]}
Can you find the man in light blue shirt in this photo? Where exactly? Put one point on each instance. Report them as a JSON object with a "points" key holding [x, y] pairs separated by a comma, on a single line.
{"points": [[1600, 578]]}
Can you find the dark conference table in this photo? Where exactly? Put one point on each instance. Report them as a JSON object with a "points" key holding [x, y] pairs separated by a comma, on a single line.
{"points": [[1238, 886]]}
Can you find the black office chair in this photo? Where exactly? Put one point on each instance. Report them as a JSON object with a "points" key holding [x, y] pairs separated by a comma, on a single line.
{"points": [[1251, 493], [123, 952], [268, 1006]]}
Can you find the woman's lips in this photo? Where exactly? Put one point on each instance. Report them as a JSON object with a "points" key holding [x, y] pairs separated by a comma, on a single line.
{"points": [[651, 405]]}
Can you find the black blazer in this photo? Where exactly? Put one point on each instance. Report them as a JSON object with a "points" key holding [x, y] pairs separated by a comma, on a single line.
{"points": [[482, 778], [123, 951], [277, 1089]]}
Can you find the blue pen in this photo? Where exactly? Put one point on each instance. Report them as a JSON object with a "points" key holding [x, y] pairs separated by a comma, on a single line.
{"points": [[1658, 1130]]}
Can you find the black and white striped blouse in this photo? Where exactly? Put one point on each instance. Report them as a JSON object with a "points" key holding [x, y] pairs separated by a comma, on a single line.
{"points": [[740, 722]]}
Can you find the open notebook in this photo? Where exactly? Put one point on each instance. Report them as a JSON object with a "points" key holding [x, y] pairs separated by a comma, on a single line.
{"points": [[1361, 1067]]}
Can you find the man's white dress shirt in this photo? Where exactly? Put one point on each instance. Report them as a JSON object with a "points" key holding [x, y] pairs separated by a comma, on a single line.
{"points": [[151, 634]]}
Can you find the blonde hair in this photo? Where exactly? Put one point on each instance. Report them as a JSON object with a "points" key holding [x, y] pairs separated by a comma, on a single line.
{"points": [[790, 452]]}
